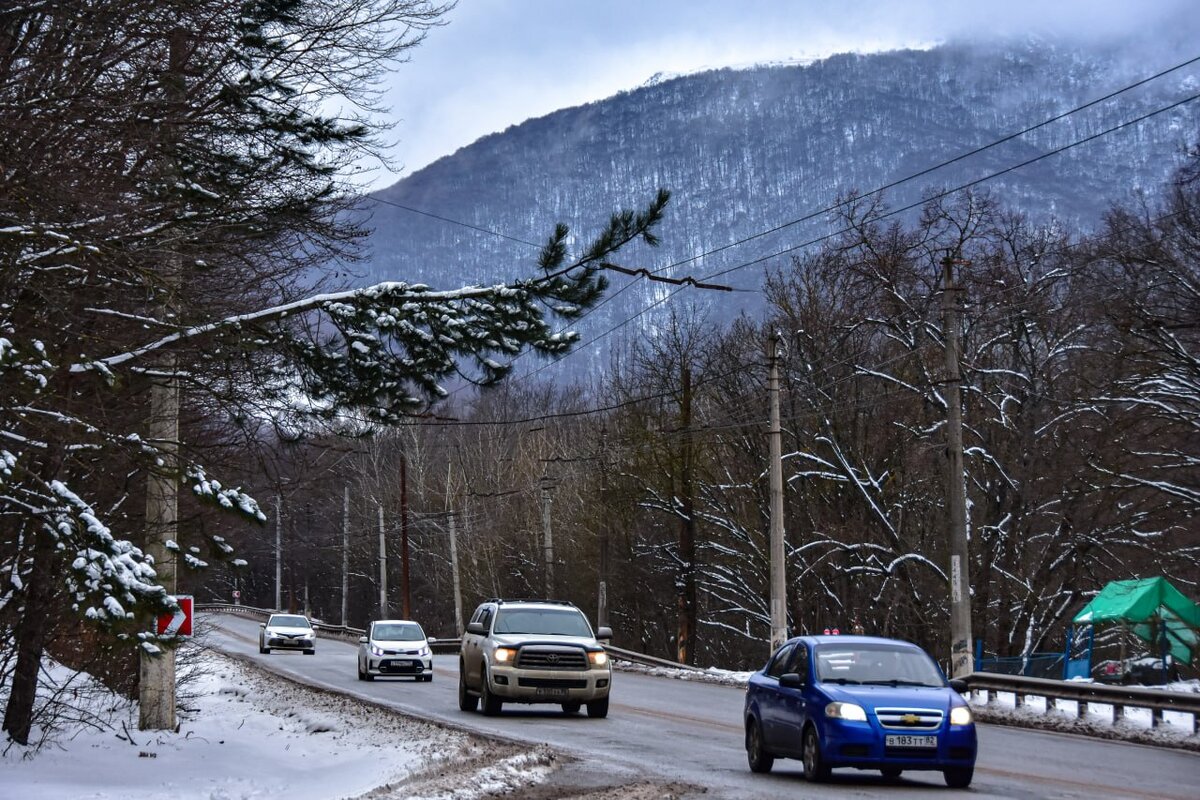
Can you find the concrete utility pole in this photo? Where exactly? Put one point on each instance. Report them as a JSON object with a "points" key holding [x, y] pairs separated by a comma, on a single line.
{"points": [[156, 673], [406, 594], [278, 553], [961, 658], [345, 550], [383, 603], [549, 542], [686, 582], [605, 530], [454, 577], [779, 633]]}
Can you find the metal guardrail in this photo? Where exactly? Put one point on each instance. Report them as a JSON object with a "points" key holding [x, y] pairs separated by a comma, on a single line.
{"points": [[1082, 693]]}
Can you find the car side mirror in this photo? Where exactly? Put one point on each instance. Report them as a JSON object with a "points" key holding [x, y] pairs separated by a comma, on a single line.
{"points": [[362, 640], [791, 680], [959, 685], [604, 632], [262, 624], [476, 628]]}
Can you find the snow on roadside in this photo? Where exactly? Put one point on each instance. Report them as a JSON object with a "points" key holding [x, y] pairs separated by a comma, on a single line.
{"points": [[247, 735]]}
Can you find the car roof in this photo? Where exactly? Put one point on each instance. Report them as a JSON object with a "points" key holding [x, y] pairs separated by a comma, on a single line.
{"points": [[394, 622], [852, 640]]}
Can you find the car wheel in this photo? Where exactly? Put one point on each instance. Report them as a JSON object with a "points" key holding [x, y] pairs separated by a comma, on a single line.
{"points": [[429, 678], [756, 753], [491, 704], [891, 773], [466, 700], [598, 709], [362, 676], [571, 708], [815, 768], [959, 777], [310, 652], [265, 650]]}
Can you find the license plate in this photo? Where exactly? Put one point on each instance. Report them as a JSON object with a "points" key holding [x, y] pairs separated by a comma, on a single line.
{"points": [[905, 740], [544, 691]]}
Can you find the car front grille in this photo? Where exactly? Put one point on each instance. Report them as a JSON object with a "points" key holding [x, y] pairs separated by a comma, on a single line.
{"points": [[551, 683], [910, 719], [536, 657]]}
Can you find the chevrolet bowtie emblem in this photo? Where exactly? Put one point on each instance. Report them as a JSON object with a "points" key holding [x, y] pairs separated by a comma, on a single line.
{"points": [[910, 719]]}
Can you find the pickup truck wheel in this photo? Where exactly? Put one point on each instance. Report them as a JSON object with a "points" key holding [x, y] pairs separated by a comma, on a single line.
{"points": [[571, 708], [466, 700], [491, 704], [598, 709]]}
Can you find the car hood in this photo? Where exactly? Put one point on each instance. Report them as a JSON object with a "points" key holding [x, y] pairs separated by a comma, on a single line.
{"points": [[400, 644], [289, 631], [872, 697], [525, 639]]}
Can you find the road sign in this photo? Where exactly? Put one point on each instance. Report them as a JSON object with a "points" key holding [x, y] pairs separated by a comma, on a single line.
{"points": [[179, 623], [236, 594]]}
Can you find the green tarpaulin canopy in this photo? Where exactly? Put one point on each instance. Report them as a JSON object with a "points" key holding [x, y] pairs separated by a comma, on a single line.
{"points": [[1152, 608]]}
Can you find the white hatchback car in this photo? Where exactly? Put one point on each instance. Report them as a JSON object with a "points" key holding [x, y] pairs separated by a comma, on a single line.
{"points": [[394, 647], [287, 632]]}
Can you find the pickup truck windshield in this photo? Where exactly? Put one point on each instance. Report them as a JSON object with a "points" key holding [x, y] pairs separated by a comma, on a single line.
{"points": [[548, 621]]}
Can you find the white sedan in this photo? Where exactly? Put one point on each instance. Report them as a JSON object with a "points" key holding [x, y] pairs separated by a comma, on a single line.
{"points": [[287, 632]]}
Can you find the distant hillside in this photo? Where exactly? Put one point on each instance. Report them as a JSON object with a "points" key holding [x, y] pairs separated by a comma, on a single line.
{"points": [[746, 150]]}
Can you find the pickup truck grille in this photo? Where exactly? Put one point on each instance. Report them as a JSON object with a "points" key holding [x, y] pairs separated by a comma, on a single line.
{"points": [[551, 658]]}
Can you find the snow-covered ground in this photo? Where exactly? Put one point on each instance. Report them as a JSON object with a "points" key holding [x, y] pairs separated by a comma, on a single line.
{"points": [[247, 735]]}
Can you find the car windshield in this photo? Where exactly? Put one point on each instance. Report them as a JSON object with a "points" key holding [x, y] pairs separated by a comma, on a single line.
{"points": [[288, 621], [552, 621], [876, 664], [399, 632]]}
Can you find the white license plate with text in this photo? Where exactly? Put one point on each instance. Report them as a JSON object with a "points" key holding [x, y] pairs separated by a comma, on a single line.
{"points": [[907, 740]]}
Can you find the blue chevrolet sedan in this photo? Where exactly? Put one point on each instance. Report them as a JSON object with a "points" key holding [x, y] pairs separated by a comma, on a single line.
{"points": [[861, 702]]}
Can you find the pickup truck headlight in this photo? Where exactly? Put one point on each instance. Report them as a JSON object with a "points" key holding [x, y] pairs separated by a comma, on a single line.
{"points": [[597, 658], [504, 654], [960, 715], [847, 711]]}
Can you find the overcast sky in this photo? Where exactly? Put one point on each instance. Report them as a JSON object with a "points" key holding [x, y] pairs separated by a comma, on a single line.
{"points": [[497, 63]]}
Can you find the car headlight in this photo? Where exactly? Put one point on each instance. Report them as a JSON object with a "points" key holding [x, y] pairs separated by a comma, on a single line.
{"points": [[504, 654], [424, 651], [847, 711], [960, 715], [376, 650], [598, 658]]}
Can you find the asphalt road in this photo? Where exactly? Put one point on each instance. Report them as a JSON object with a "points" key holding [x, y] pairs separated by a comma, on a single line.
{"points": [[691, 733]]}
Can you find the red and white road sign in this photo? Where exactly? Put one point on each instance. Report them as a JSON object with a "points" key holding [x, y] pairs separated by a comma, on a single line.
{"points": [[236, 594], [179, 623]]}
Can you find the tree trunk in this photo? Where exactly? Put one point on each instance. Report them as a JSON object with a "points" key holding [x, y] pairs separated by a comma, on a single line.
{"points": [[30, 636]]}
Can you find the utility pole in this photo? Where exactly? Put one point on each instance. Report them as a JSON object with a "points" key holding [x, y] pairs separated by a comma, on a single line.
{"points": [[686, 598], [961, 658], [345, 550], [278, 552], [156, 672], [779, 633], [549, 542], [605, 530], [407, 596], [383, 603], [450, 521]]}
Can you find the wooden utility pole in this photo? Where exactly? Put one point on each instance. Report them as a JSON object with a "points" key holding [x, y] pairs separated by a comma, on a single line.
{"points": [[779, 632], [687, 529], [961, 657], [383, 602], [345, 551], [156, 672], [605, 530]]}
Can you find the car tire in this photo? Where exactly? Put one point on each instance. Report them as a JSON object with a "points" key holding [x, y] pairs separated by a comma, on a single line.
{"points": [[959, 777], [815, 768], [598, 709], [428, 678], [756, 752], [490, 703], [265, 650], [310, 652], [891, 773], [466, 700], [362, 676], [571, 708]]}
